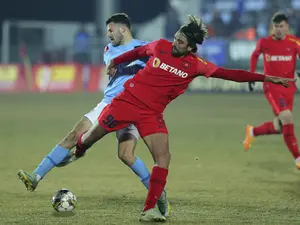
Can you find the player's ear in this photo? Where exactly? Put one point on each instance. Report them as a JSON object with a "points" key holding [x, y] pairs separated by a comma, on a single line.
{"points": [[189, 49], [287, 26], [122, 29]]}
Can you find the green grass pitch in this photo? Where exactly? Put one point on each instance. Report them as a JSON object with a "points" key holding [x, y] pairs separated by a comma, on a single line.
{"points": [[211, 179]]}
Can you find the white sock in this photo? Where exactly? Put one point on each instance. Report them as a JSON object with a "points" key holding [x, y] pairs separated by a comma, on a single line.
{"points": [[38, 178], [251, 132]]}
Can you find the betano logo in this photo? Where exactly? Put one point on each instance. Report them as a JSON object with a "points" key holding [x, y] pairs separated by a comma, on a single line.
{"points": [[158, 64], [278, 58]]}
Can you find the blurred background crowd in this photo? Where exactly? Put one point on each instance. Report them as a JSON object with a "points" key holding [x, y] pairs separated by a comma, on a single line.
{"points": [[74, 30]]}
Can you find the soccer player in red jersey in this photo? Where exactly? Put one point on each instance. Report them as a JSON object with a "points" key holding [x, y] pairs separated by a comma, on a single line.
{"points": [[280, 52], [167, 74]]}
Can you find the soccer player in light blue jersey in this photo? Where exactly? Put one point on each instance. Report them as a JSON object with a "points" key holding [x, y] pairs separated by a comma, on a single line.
{"points": [[118, 31]]}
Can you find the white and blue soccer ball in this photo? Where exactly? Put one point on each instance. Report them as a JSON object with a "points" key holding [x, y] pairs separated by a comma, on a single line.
{"points": [[64, 201]]}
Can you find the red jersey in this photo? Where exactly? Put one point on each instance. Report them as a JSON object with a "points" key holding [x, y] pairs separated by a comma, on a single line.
{"points": [[164, 77], [279, 56]]}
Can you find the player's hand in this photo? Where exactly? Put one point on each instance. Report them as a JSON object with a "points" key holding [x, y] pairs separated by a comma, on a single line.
{"points": [[278, 80], [111, 68], [251, 86]]}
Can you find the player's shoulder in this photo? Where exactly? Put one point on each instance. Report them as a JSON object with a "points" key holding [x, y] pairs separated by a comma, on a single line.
{"points": [[290, 36], [139, 42], [293, 39], [164, 41], [162, 45], [265, 39], [107, 48], [197, 59]]}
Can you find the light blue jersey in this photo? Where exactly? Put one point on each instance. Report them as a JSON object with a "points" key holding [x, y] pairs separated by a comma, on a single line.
{"points": [[125, 71]]}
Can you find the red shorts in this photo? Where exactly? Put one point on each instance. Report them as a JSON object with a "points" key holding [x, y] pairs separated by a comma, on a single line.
{"points": [[280, 99], [125, 109]]}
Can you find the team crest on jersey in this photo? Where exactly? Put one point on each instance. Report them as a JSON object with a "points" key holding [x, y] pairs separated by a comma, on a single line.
{"points": [[201, 60], [105, 49], [186, 65], [156, 62]]}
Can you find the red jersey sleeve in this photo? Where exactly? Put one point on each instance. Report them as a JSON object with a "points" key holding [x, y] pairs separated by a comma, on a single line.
{"points": [[237, 75], [255, 56], [297, 42], [151, 47], [298, 48], [205, 68], [137, 53]]}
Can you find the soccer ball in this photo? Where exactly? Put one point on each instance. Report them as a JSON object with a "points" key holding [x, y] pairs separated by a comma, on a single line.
{"points": [[64, 201]]}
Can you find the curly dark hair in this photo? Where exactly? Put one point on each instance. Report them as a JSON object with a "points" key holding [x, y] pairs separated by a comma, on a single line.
{"points": [[195, 32]]}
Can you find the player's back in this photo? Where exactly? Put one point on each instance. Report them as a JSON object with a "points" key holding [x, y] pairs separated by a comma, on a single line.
{"points": [[279, 55], [124, 71], [164, 77]]}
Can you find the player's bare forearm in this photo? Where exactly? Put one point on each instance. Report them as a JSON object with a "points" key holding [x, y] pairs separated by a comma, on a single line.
{"points": [[131, 55]]}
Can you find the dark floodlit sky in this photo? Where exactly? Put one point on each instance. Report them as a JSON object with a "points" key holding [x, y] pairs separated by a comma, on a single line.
{"points": [[66, 10], [75, 10]]}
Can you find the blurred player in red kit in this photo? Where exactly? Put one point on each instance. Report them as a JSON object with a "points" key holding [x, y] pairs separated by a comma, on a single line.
{"points": [[168, 72], [280, 51]]}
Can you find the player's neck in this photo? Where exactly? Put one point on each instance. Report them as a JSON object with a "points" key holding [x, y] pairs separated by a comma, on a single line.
{"points": [[126, 40], [278, 39], [188, 53]]}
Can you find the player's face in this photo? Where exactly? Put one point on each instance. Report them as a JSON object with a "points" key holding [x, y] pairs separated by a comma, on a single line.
{"points": [[114, 33], [280, 29], [180, 45]]}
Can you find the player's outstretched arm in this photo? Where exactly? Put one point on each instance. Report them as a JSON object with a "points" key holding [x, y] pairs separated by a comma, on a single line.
{"points": [[137, 53], [125, 57], [254, 56], [131, 55], [245, 76]]}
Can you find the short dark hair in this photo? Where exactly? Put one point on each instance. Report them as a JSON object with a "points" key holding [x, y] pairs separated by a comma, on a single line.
{"points": [[279, 17], [119, 18], [195, 32]]}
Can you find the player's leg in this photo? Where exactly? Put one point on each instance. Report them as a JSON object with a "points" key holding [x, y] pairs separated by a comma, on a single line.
{"points": [[86, 140], [266, 128], [282, 104], [286, 119], [155, 135], [108, 121], [127, 140], [158, 176], [287, 122], [93, 117], [118, 115], [61, 152], [67, 143], [56, 156], [159, 147]]}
